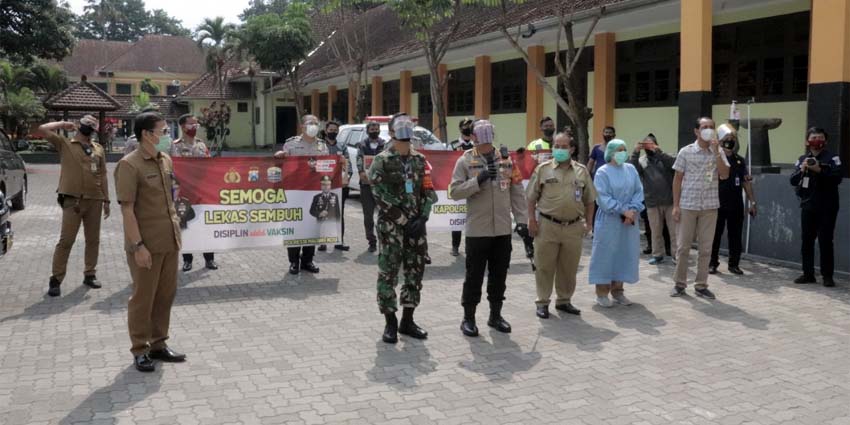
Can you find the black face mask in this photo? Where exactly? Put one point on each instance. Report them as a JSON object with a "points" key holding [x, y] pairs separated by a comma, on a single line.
{"points": [[86, 130], [374, 134], [331, 136], [466, 131], [548, 132]]}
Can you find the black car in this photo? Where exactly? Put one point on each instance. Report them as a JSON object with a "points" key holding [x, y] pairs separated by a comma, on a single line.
{"points": [[13, 173], [5, 227]]}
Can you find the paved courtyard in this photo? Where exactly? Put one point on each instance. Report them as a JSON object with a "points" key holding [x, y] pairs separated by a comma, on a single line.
{"points": [[266, 347]]}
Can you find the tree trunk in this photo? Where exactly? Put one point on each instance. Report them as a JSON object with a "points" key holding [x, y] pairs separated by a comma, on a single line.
{"points": [[292, 77], [253, 115], [436, 87]]}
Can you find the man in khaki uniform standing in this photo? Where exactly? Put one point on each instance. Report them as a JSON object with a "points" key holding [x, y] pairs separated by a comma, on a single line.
{"points": [[305, 144], [83, 193], [144, 182], [492, 187], [190, 147], [561, 191]]}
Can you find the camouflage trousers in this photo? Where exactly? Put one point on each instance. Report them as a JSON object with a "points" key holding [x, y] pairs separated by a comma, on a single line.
{"points": [[397, 252]]}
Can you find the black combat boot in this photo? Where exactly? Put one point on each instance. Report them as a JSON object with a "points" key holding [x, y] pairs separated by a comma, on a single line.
{"points": [[496, 320], [408, 327], [92, 282], [391, 329], [467, 326]]}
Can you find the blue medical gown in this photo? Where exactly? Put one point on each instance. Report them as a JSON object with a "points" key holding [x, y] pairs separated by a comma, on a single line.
{"points": [[616, 246]]}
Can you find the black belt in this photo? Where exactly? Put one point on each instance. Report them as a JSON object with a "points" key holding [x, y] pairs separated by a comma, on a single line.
{"points": [[561, 222]]}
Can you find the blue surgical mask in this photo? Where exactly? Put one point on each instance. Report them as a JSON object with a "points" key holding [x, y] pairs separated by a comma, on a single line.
{"points": [[620, 157], [561, 155]]}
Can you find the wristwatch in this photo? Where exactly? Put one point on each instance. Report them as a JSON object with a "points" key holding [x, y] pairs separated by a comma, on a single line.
{"points": [[135, 247]]}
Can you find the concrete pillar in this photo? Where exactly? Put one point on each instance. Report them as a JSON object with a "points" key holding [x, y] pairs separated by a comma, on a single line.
{"points": [[604, 86], [483, 86], [534, 93], [405, 84], [695, 98], [377, 95]]}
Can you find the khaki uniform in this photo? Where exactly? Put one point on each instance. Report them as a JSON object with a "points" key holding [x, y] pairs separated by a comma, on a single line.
{"points": [[181, 148], [83, 188], [488, 222], [296, 146], [147, 182], [488, 207], [561, 193]]}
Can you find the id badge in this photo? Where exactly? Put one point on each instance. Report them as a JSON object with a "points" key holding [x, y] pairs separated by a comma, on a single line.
{"points": [[805, 182], [737, 181], [93, 167], [504, 184], [408, 186], [708, 177], [578, 194]]}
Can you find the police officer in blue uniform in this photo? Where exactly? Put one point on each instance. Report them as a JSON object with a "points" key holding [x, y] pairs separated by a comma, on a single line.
{"points": [[816, 178]]}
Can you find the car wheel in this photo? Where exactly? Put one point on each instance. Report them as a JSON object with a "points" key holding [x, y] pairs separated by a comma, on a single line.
{"points": [[20, 201]]}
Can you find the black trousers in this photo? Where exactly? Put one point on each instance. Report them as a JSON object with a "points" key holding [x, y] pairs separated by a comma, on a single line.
{"points": [[208, 256], [733, 220], [818, 224], [345, 191], [368, 203], [304, 254], [492, 254], [456, 237]]}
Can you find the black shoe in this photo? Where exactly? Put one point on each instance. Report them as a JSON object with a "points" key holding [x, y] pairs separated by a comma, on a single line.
{"points": [[143, 363], [187, 265], [467, 325], [53, 287], [543, 311], [678, 291], [408, 327], [568, 308], [455, 251], [167, 355], [705, 293], [293, 268], [310, 267], [712, 269], [391, 329], [647, 251], [92, 282], [341, 247], [805, 279], [211, 265], [828, 281], [427, 259], [323, 248], [735, 270], [373, 247], [496, 320]]}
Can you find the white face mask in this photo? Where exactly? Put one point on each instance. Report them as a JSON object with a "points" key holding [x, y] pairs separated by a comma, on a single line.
{"points": [[707, 134], [312, 130]]}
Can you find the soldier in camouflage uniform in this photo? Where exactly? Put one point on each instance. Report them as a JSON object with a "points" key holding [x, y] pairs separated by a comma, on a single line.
{"points": [[404, 194]]}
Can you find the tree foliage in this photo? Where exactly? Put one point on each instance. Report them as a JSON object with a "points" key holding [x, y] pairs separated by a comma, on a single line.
{"points": [[125, 20], [147, 86], [262, 7], [435, 23], [19, 109], [574, 104], [349, 44], [35, 28], [212, 36], [266, 34]]}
